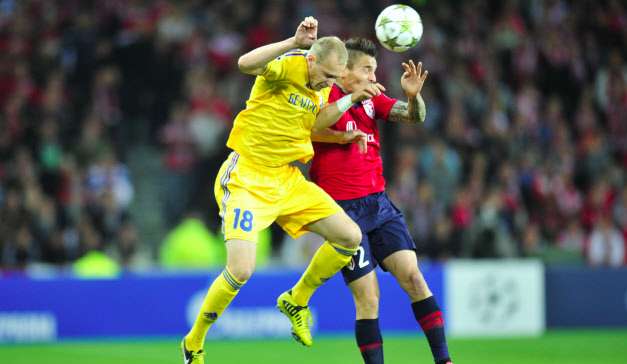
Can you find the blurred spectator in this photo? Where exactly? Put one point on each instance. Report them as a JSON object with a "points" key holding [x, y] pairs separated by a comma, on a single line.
{"points": [[441, 166], [127, 241], [620, 212], [108, 182], [532, 243], [179, 159], [607, 245], [491, 238], [573, 238]]}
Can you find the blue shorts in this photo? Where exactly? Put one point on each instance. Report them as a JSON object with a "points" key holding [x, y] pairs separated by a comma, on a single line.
{"points": [[384, 232]]}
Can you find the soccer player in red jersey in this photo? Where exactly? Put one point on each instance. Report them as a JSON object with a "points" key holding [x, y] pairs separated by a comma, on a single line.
{"points": [[348, 166]]}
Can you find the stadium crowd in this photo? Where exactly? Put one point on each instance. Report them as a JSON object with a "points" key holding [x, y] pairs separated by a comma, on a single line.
{"points": [[523, 153]]}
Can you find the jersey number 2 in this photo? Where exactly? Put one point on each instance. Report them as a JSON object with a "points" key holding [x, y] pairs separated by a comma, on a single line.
{"points": [[246, 222], [361, 254]]}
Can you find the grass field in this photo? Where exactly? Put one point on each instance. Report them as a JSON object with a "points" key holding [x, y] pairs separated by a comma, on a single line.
{"points": [[571, 347]]}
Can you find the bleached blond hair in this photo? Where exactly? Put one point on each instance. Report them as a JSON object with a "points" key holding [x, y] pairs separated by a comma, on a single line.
{"points": [[326, 46]]}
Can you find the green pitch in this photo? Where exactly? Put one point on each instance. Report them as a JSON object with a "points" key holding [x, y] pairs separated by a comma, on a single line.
{"points": [[572, 347]]}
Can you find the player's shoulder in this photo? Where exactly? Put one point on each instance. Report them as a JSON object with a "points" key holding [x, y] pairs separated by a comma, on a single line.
{"points": [[294, 60], [295, 53], [293, 56], [383, 100]]}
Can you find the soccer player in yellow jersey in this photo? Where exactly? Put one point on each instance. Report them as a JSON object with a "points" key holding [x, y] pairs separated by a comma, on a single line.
{"points": [[257, 184]]}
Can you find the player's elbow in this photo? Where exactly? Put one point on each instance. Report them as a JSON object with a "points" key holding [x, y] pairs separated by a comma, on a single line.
{"points": [[324, 120], [315, 132], [245, 65]]}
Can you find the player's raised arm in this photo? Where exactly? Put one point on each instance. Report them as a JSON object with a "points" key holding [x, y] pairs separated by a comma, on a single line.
{"points": [[254, 62], [414, 110], [330, 113]]}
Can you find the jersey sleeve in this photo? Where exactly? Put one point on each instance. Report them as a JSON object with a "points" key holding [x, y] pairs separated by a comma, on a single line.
{"points": [[276, 69], [285, 66], [382, 106]]}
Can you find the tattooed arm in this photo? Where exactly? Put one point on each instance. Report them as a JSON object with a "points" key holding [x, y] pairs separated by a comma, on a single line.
{"points": [[414, 110]]}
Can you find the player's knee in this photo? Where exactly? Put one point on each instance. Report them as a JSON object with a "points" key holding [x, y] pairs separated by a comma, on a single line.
{"points": [[416, 285], [242, 272], [351, 236], [415, 279]]}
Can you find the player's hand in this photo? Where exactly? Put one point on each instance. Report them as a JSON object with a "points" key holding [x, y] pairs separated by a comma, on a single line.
{"points": [[413, 78], [356, 136], [367, 92], [306, 33]]}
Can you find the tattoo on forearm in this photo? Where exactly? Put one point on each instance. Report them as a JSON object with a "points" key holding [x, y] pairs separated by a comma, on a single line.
{"points": [[400, 111], [421, 111]]}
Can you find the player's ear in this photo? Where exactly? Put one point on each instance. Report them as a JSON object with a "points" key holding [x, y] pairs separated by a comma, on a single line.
{"points": [[311, 58]]}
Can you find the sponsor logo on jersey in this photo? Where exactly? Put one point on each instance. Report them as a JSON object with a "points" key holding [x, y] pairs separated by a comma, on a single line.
{"points": [[351, 125], [303, 102]]}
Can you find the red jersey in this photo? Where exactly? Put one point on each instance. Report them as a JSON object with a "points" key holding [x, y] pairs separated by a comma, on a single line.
{"points": [[340, 169]]}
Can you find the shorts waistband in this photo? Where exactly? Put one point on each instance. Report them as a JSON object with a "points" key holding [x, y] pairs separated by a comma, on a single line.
{"points": [[248, 162]]}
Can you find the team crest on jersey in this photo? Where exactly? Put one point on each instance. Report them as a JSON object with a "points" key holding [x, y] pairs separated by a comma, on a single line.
{"points": [[368, 107]]}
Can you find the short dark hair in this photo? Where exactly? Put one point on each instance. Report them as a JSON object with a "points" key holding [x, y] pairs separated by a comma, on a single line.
{"points": [[358, 46]]}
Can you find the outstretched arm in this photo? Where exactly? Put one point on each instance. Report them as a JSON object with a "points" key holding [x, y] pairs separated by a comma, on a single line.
{"points": [[414, 110], [329, 135], [254, 62], [330, 113]]}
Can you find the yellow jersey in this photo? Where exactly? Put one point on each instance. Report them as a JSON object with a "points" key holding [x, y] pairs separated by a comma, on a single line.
{"points": [[275, 127]]}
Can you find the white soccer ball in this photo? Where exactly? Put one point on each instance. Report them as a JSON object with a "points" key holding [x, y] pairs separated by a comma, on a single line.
{"points": [[398, 28]]}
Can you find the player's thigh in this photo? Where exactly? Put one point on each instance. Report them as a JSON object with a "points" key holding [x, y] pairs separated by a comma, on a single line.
{"points": [[366, 295], [403, 264], [240, 258], [309, 208], [389, 237], [338, 228], [244, 214]]}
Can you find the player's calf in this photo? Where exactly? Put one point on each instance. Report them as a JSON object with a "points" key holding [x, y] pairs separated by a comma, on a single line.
{"points": [[367, 306], [365, 291], [414, 284], [404, 265]]}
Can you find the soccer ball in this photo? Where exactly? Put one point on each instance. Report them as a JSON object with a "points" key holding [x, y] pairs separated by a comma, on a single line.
{"points": [[398, 28]]}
